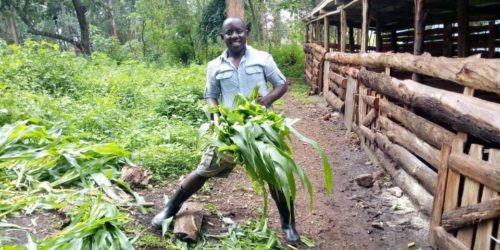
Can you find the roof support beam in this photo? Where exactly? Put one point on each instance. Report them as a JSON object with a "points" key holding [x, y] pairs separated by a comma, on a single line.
{"points": [[364, 27], [326, 33], [419, 28], [463, 28], [343, 28]]}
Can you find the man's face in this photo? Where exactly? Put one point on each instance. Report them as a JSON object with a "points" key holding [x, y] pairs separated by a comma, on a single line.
{"points": [[234, 33]]}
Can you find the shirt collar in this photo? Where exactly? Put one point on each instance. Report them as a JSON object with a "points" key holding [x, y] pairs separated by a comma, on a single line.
{"points": [[223, 56]]}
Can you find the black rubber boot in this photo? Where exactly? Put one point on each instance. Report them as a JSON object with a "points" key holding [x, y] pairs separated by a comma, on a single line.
{"points": [[189, 186], [172, 207], [287, 216]]}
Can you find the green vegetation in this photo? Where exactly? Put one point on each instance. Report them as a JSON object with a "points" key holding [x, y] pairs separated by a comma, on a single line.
{"points": [[69, 123], [256, 138]]}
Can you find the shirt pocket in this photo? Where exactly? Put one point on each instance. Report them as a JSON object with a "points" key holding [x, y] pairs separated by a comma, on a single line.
{"points": [[255, 75], [226, 80]]}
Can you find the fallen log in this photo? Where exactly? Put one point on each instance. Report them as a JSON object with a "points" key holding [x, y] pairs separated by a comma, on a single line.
{"points": [[408, 162], [462, 113], [334, 101], [470, 215], [368, 119], [364, 132], [474, 72], [410, 141], [188, 222], [407, 183]]}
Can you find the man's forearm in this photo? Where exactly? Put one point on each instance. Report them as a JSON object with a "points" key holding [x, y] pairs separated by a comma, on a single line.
{"points": [[274, 95]]}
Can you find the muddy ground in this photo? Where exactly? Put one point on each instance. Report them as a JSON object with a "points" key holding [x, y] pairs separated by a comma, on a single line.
{"points": [[352, 217]]}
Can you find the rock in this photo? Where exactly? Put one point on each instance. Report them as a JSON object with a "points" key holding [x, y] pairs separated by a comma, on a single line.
{"points": [[364, 180], [136, 176], [335, 115], [378, 225], [378, 174], [327, 116], [377, 187], [395, 191], [367, 163]]}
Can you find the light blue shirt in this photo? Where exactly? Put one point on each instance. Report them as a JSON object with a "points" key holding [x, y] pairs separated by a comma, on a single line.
{"points": [[225, 81]]}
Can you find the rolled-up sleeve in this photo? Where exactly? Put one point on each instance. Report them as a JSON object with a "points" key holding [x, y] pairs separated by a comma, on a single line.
{"points": [[273, 74], [212, 89]]}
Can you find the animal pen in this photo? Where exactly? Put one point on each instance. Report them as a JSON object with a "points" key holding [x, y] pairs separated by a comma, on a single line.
{"points": [[419, 83]]}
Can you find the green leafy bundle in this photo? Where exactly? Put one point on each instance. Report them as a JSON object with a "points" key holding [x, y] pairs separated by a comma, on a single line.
{"points": [[256, 137]]}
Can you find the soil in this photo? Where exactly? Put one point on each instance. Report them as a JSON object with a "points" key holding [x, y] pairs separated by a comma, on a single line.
{"points": [[351, 217]]}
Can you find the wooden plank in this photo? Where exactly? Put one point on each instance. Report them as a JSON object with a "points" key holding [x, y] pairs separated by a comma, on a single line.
{"points": [[439, 193], [326, 76], [349, 102], [485, 229], [469, 197], [361, 104]]}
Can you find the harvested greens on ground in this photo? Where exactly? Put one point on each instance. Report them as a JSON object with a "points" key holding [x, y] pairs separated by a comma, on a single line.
{"points": [[41, 169], [256, 137]]}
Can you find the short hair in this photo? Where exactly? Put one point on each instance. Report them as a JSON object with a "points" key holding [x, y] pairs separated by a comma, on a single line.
{"points": [[247, 25]]}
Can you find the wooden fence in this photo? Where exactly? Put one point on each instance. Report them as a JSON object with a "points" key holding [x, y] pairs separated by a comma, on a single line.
{"points": [[441, 147]]}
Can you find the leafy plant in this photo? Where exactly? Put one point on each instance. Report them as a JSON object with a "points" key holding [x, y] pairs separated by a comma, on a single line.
{"points": [[256, 137]]}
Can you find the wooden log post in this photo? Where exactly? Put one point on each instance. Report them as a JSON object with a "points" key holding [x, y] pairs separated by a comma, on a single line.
{"points": [[378, 36], [462, 113], [364, 27], [394, 41], [463, 28], [326, 76], [318, 33], [444, 240], [419, 28], [326, 33], [352, 86], [343, 28], [351, 39], [307, 34], [447, 40], [439, 194], [491, 39]]}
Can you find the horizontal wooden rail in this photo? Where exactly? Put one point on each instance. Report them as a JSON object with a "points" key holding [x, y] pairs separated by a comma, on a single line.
{"points": [[474, 72], [473, 214], [462, 113]]}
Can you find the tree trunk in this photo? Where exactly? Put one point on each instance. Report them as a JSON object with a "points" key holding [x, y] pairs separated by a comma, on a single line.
{"points": [[13, 28], [257, 26], [472, 214], [235, 8], [112, 17], [84, 26]]}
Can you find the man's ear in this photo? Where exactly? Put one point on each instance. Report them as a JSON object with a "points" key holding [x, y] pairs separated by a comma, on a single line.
{"points": [[249, 27], [222, 37]]}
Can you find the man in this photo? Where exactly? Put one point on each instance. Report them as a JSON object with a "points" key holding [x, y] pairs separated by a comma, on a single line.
{"points": [[239, 69]]}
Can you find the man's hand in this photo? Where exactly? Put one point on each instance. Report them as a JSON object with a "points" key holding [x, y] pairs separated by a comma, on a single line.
{"points": [[264, 101]]}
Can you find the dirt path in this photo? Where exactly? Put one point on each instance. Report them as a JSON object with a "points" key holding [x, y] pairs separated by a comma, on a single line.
{"points": [[353, 217]]}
